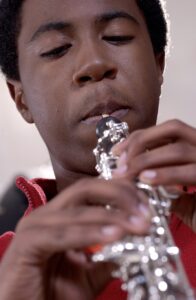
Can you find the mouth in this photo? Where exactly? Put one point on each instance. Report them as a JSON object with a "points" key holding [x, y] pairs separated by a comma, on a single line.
{"points": [[112, 109]]}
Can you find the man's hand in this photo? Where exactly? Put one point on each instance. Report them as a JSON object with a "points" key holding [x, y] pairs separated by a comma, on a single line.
{"points": [[163, 155], [46, 259]]}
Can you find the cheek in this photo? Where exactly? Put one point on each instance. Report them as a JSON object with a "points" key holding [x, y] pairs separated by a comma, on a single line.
{"points": [[45, 106], [139, 78], [47, 92], [139, 72]]}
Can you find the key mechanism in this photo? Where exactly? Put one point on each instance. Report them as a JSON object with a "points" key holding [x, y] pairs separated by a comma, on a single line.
{"points": [[149, 266]]}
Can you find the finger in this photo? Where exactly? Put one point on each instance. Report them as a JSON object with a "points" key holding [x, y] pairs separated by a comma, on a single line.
{"points": [[168, 132], [184, 175], [53, 240], [119, 194], [88, 215], [41, 245], [119, 148], [105, 215], [172, 154]]}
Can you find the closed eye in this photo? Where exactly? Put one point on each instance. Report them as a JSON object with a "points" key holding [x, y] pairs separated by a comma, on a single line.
{"points": [[56, 52], [118, 40]]}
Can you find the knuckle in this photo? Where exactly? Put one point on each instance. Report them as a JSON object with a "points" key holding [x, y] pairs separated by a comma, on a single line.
{"points": [[72, 214], [136, 137], [127, 193], [80, 190], [84, 183], [59, 233], [142, 161], [181, 149], [176, 125], [139, 163]]}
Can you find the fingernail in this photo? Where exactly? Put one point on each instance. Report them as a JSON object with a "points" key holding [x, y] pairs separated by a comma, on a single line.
{"points": [[145, 211], [110, 230], [121, 164], [150, 174], [136, 220], [122, 159]]}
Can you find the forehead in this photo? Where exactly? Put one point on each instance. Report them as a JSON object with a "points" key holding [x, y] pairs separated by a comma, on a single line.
{"points": [[35, 12]]}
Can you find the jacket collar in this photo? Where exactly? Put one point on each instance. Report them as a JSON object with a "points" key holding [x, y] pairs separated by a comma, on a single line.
{"points": [[38, 191]]}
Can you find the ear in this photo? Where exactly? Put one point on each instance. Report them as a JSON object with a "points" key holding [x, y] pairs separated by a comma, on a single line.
{"points": [[17, 94], [160, 62]]}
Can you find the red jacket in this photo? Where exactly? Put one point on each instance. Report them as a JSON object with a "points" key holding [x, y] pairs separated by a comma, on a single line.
{"points": [[39, 190]]}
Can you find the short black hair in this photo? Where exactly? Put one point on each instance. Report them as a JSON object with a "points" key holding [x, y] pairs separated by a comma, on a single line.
{"points": [[10, 24]]}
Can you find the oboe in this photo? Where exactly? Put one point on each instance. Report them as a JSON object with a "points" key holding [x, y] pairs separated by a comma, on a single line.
{"points": [[148, 266]]}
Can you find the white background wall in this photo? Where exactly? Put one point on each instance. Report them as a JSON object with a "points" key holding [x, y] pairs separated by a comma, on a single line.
{"points": [[20, 146]]}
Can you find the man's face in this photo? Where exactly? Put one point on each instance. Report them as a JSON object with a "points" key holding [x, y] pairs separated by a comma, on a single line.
{"points": [[79, 59]]}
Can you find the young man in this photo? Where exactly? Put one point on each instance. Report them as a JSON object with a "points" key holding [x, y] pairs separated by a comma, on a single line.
{"points": [[67, 62]]}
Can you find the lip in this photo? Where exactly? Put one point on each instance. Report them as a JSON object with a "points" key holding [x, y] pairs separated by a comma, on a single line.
{"points": [[111, 108], [119, 114]]}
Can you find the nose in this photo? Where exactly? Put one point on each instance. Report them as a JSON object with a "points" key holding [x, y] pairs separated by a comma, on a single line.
{"points": [[93, 67]]}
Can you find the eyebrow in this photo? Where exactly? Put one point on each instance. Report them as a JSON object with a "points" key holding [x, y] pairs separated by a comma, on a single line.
{"points": [[61, 26], [107, 17], [51, 26]]}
